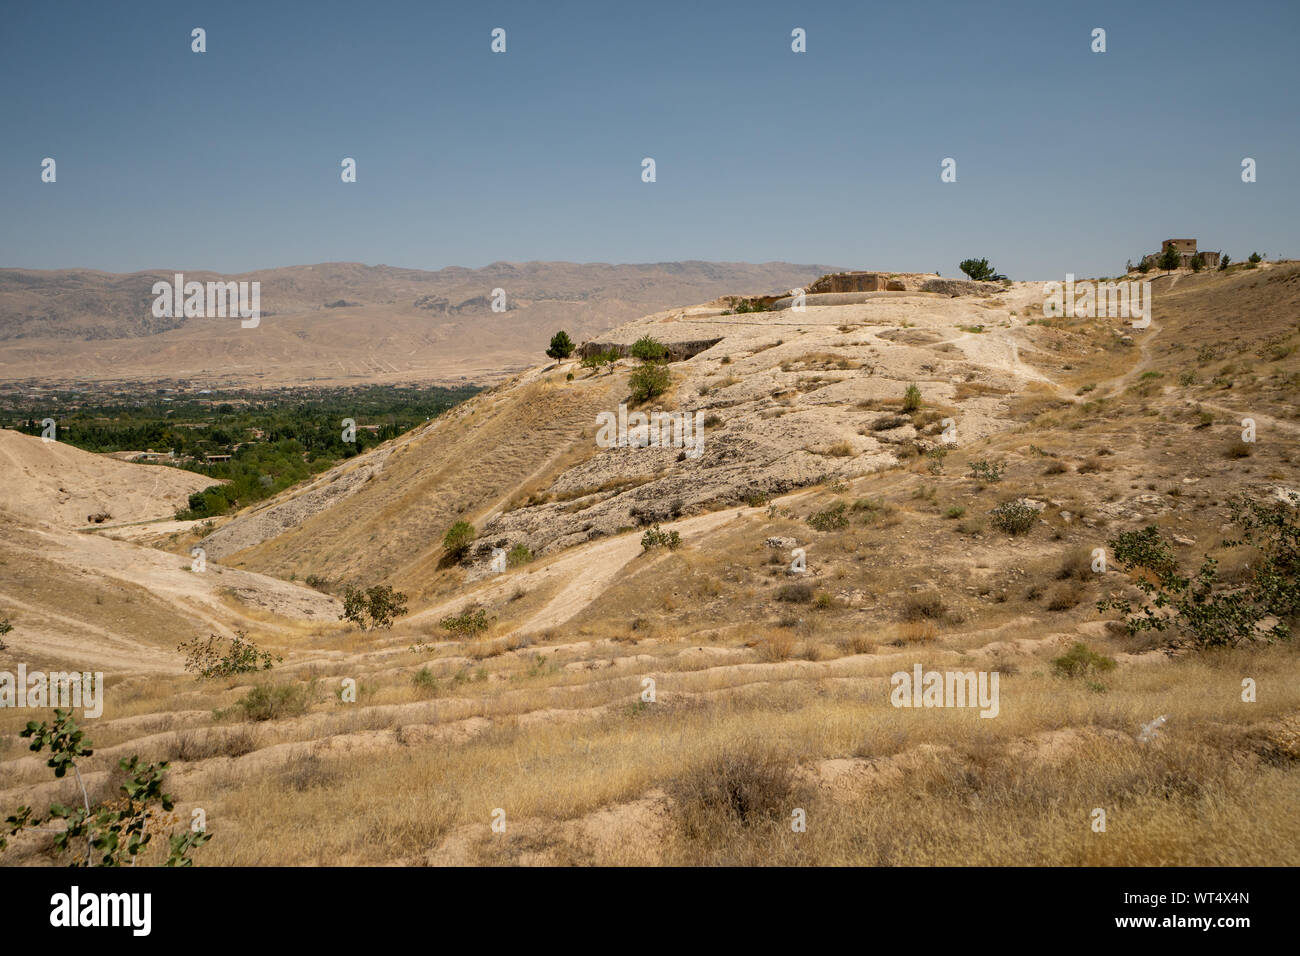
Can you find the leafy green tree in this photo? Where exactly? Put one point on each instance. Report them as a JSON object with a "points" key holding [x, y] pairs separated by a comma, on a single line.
{"points": [[649, 349], [561, 345], [376, 607], [1224, 261], [1170, 259], [114, 833], [648, 381], [979, 270], [1253, 260], [458, 539], [597, 359]]}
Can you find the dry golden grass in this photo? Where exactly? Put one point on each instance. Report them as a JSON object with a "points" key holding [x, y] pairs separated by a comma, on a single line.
{"points": [[623, 753], [916, 632], [777, 646]]}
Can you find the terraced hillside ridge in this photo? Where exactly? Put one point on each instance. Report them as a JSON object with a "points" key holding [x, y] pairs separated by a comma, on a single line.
{"points": [[627, 703]]}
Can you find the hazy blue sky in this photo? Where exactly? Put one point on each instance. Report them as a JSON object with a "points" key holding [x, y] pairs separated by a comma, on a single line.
{"points": [[1067, 160]]}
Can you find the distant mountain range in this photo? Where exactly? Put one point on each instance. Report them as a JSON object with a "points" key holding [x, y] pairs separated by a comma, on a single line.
{"points": [[345, 322]]}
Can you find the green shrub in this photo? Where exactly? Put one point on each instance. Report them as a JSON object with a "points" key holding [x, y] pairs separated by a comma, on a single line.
{"points": [[1080, 661], [647, 382], [1014, 517], [377, 606], [424, 680], [519, 554], [989, 471], [649, 349], [911, 398], [468, 624], [597, 359], [656, 538], [274, 701], [831, 519], [458, 539]]}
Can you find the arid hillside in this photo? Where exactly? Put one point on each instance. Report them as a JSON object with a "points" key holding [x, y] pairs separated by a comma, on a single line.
{"points": [[53, 481], [684, 652], [343, 323]]}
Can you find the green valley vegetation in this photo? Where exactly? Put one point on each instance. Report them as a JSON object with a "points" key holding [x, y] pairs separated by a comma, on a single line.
{"points": [[256, 442]]}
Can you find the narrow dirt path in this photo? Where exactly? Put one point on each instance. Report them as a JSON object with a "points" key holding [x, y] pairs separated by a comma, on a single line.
{"points": [[586, 570]]}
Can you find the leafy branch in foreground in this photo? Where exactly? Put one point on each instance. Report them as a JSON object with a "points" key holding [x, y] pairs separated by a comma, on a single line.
{"points": [[1204, 608], [114, 832]]}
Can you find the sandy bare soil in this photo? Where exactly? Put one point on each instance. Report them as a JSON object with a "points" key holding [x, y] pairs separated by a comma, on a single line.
{"points": [[52, 481]]}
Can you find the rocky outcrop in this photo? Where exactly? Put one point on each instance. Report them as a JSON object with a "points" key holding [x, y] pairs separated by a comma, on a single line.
{"points": [[960, 287], [854, 282]]}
